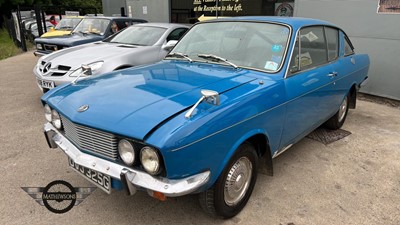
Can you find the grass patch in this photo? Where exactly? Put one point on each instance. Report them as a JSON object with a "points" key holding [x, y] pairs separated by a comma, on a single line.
{"points": [[7, 46]]}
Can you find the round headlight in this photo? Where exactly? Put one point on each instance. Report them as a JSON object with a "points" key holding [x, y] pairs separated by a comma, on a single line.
{"points": [[47, 113], [56, 119], [150, 160], [127, 152], [39, 46]]}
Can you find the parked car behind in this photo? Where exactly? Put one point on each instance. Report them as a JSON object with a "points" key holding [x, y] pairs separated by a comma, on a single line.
{"points": [[230, 92], [64, 27], [136, 45], [33, 32], [90, 29]]}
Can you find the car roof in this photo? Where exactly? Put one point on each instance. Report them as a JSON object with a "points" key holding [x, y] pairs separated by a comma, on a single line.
{"points": [[164, 25], [294, 22]]}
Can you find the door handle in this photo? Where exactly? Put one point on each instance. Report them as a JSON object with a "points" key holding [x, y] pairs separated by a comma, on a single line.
{"points": [[332, 74]]}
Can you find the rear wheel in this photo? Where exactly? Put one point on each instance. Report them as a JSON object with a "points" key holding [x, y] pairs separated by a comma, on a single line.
{"points": [[337, 120], [228, 196]]}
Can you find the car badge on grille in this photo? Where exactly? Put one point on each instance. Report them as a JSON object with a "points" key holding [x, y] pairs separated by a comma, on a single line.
{"points": [[83, 108], [46, 68]]}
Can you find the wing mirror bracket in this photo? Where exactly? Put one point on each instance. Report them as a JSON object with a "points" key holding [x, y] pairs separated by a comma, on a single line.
{"points": [[86, 70], [209, 96]]}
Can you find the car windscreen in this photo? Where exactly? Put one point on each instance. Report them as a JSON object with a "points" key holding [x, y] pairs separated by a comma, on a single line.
{"points": [[138, 35], [67, 23], [92, 26], [256, 45]]}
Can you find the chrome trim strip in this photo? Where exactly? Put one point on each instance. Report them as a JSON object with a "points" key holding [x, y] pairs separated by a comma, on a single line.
{"points": [[170, 187], [39, 54], [277, 153]]}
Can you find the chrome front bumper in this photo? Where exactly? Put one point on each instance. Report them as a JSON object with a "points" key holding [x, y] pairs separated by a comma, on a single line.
{"points": [[130, 177], [39, 54]]}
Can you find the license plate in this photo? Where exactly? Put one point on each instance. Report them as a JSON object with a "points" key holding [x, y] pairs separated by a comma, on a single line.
{"points": [[46, 84], [99, 179]]}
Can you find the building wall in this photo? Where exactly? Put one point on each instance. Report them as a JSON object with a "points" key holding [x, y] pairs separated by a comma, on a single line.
{"points": [[113, 7], [150, 10], [375, 34]]}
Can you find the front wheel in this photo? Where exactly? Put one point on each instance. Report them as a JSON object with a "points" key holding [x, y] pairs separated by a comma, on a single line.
{"points": [[337, 120], [228, 196]]}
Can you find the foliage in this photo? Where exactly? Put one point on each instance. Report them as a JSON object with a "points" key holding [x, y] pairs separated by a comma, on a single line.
{"points": [[7, 46]]}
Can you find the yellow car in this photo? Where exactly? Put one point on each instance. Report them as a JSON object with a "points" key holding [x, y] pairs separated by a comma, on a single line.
{"points": [[64, 27]]}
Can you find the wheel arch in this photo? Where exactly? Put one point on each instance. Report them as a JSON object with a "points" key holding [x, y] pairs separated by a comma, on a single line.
{"points": [[353, 96], [259, 139]]}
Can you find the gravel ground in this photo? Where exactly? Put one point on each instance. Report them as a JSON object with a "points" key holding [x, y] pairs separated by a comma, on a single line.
{"points": [[355, 180]]}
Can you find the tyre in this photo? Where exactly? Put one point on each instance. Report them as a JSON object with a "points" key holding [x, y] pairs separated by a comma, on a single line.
{"points": [[230, 193], [337, 120]]}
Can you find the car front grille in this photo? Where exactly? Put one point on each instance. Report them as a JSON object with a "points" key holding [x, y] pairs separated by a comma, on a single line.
{"points": [[92, 140], [52, 47], [59, 72]]}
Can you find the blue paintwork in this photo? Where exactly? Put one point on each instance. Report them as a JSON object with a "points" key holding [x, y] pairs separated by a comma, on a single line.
{"points": [[148, 104]]}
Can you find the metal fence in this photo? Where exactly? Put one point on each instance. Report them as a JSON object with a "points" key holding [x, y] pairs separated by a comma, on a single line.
{"points": [[19, 30]]}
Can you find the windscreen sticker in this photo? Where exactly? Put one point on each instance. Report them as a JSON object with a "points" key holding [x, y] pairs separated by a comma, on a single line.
{"points": [[270, 65], [276, 48], [276, 58], [285, 31]]}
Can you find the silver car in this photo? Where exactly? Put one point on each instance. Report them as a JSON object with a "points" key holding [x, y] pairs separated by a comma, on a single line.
{"points": [[136, 45]]}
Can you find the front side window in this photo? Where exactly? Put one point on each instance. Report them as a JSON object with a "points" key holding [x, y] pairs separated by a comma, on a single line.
{"points": [[246, 44], [312, 47], [176, 34], [92, 26]]}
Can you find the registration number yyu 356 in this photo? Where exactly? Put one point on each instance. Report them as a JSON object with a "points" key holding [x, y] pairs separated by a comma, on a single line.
{"points": [[99, 179]]}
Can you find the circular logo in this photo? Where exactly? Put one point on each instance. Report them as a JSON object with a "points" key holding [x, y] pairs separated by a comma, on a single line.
{"points": [[46, 68], [284, 9], [83, 108], [59, 196]]}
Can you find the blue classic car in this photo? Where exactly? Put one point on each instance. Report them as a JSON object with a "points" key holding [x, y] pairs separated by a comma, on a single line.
{"points": [[90, 29], [230, 92]]}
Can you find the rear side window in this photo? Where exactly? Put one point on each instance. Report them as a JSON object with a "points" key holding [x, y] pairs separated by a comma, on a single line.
{"points": [[332, 38], [348, 47]]}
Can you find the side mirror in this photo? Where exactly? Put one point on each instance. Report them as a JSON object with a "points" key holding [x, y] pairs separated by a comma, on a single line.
{"points": [[169, 45], [210, 96]]}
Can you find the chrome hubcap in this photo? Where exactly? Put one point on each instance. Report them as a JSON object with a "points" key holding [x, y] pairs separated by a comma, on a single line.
{"points": [[238, 181], [342, 110]]}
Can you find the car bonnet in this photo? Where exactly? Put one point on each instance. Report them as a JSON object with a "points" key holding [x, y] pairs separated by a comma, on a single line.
{"points": [[89, 53], [132, 102]]}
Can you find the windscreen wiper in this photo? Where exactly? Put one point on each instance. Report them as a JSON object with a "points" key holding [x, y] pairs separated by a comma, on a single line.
{"points": [[179, 55], [216, 58], [91, 32]]}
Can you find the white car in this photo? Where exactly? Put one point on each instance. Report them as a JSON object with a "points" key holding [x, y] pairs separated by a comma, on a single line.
{"points": [[138, 44]]}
